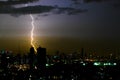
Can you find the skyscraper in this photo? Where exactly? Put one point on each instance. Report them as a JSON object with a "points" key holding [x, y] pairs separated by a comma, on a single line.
{"points": [[4, 61], [31, 57], [41, 60]]}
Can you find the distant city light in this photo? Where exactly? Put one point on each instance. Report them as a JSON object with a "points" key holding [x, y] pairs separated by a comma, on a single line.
{"points": [[47, 65], [104, 64], [96, 63], [84, 64], [114, 63]]}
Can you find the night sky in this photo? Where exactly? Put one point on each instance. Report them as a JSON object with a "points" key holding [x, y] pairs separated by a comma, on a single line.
{"points": [[96, 27]]}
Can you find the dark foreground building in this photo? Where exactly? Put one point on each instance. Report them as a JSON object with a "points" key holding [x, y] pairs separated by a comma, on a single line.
{"points": [[41, 60], [31, 57]]}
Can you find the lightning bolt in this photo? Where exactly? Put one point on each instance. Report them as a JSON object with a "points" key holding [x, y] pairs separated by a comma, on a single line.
{"points": [[32, 32]]}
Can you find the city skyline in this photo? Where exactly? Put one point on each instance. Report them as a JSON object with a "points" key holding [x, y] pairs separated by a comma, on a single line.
{"points": [[96, 28]]}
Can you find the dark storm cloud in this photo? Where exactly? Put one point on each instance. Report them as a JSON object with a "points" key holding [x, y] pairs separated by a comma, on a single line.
{"points": [[26, 10], [114, 3], [69, 11], [39, 9], [7, 8], [87, 1], [13, 2], [34, 9]]}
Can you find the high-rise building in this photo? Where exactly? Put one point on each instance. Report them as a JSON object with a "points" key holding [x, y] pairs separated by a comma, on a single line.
{"points": [[31, 57], [41, 60], [4, 61]]}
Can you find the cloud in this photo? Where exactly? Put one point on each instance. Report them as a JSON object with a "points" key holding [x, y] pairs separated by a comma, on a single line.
{"points": [[67, 10], [39, 9], [88, 1], [7, 8], [13, 2], [34, 9]]}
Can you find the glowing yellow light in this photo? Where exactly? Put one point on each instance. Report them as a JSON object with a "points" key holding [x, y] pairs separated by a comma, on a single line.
{"points": [[32, 33]]}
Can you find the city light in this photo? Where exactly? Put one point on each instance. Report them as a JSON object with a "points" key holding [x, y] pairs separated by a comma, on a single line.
{"points": [[104, 64]]}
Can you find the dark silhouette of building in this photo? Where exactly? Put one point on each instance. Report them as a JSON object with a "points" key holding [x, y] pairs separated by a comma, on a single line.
{"points": [[4, 61], [41, 60], [31, 57]]}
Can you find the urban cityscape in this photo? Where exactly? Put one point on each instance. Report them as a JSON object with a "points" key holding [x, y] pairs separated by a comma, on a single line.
{"points": [[40, 66], [59, 40]]}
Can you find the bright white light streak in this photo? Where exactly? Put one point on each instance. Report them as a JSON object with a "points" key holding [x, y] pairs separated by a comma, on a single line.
{"points": [[32, 33]]}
